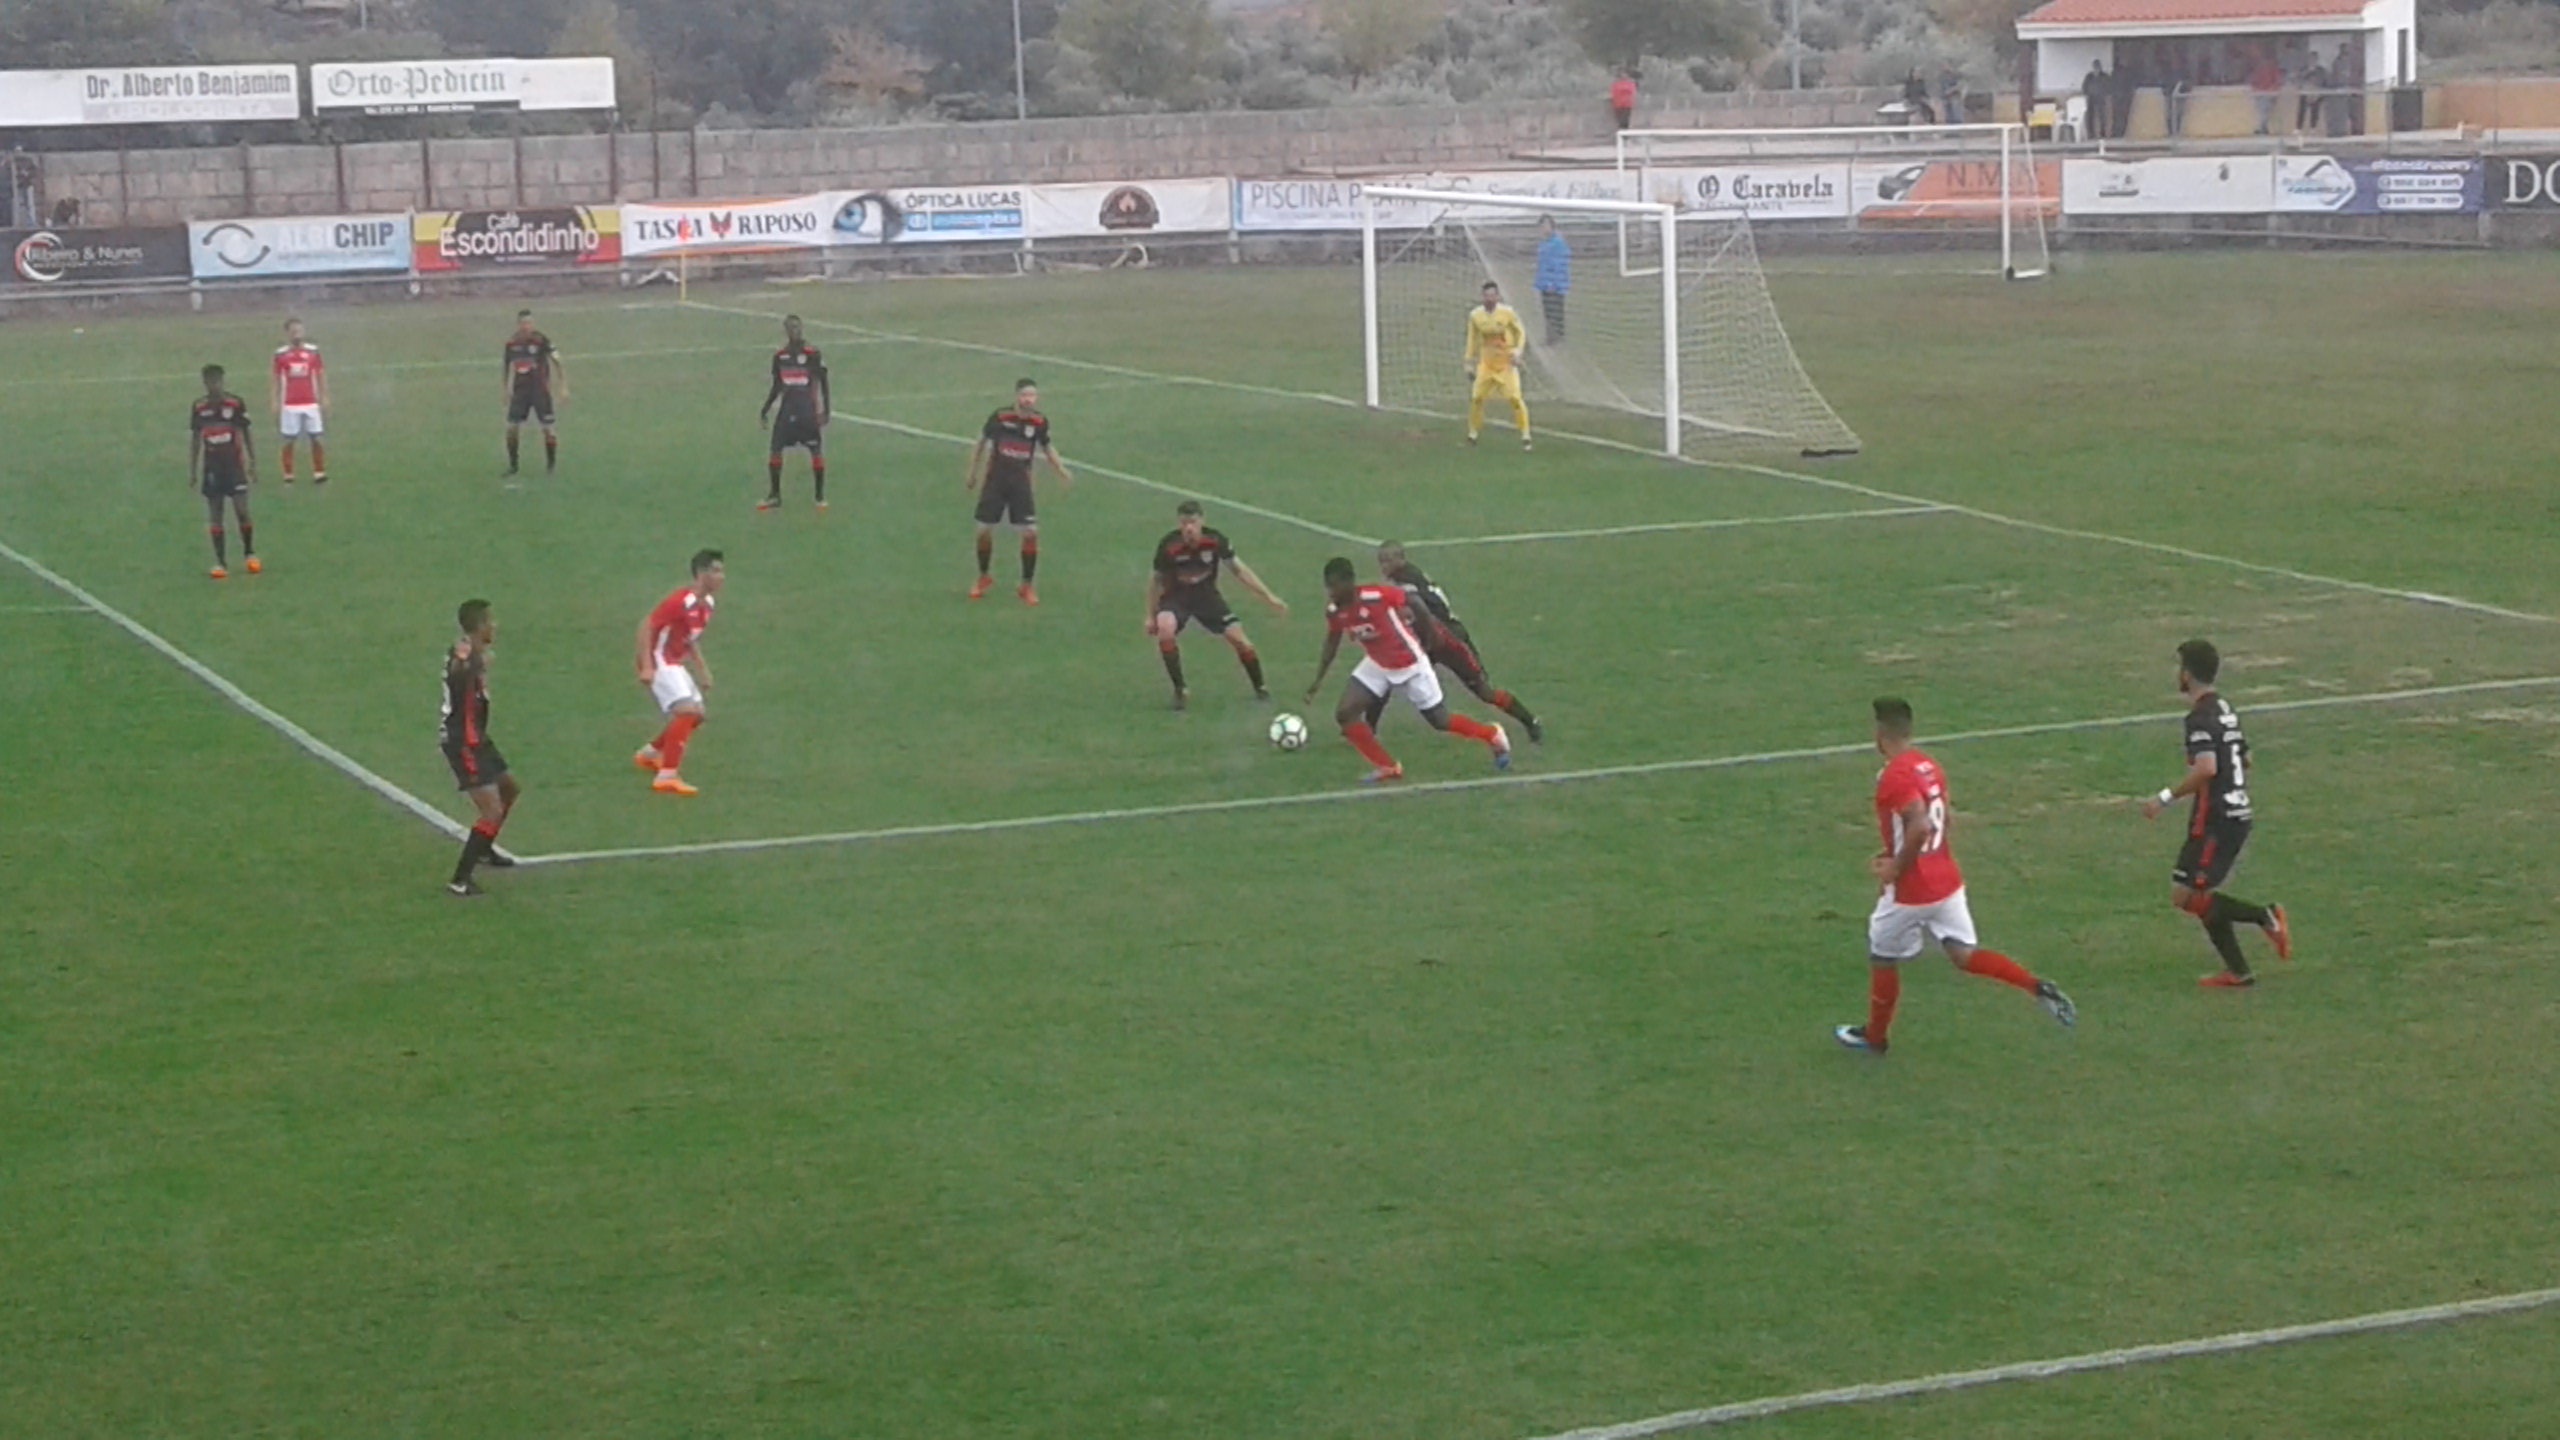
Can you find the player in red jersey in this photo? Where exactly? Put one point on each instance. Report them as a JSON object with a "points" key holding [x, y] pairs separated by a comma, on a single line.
{"points": [[1923, 897], [672, 665], [1386, 621], [220, 465], [299, 386]]}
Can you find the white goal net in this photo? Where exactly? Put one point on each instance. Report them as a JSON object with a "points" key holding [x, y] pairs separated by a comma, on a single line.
{"points": [[1631, 308]]}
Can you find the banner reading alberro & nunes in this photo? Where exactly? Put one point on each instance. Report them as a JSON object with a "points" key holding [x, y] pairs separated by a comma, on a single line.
{"points": [[445, 240], [67, 256]]}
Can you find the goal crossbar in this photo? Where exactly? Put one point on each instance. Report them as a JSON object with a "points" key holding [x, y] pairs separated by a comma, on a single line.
{"points": [[1665, 216]]}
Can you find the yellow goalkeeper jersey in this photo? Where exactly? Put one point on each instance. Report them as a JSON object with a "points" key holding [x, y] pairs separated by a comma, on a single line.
{"points": [[1494, 338]]}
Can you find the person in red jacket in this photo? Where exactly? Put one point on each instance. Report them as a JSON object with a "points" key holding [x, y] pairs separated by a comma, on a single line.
{"points": [[1622, 98]]}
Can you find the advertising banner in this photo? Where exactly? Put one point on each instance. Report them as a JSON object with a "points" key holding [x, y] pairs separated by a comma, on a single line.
{"points": [[1154, 207], [149, 96], [1763, 192], [2170, 185], [447, 240], [1884, 191], [2522, 182], [972, 212], [303, 245], [712, 226], [436, 87], [1266, 205], [2385, 185], [67, 256]]}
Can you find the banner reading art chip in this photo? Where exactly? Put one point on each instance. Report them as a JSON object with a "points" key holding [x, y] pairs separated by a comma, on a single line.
{"points": [[74, 257], [445, 240], [1138, 208], [303, 245]]}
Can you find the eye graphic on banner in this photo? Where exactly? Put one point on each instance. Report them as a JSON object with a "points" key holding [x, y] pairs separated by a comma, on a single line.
{"points": [[873, 216]]}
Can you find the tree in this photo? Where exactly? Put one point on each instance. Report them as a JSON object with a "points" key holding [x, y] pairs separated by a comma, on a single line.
{"points": [[1160, 50], [1618, 32], [1374, 34], [66, 34], [971, 41], [595, 28]]}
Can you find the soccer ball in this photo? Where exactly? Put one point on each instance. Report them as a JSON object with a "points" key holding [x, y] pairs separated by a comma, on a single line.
{"points": [[1288, 732]]}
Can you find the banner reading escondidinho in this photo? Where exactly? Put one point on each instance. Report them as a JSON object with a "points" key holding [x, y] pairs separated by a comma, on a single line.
{"points": [[149, 95], [446, 240], [71, 257], [304, 245]]}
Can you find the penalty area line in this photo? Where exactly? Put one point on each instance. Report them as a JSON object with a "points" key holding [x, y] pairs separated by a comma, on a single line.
{"points": [[1668, 527], [1509, 781], [2378, 1322], [311, 744], [897, 427]]}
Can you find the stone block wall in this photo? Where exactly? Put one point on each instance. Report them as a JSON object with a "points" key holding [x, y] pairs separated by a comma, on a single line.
{"points": [[159, 187]]}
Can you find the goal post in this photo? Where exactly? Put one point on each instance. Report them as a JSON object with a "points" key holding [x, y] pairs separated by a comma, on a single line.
{"points": [[1648, 311], [1931, 183]]}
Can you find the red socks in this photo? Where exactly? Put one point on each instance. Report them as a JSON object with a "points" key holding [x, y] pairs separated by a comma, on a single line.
{"points": [[1884, 991], [1992, 965], [1470, 729], [1365, 740], [670, 741]]}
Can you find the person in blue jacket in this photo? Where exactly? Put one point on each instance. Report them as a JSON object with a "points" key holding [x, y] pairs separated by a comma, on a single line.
{"points": [[1554, 278]]}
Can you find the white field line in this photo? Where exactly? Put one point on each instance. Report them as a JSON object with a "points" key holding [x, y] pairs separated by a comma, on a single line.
{"points": [[328, 754], [1513, 780], [1672, 526], [1090, 468], [2375, 1323], [1994, 517], [393, 367]]}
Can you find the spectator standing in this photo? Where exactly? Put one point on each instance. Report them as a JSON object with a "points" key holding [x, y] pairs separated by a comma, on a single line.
{"points": [[2265, 81], [1554, 278], [1915, 100], [1622, 98], [2346, 75], [1950, 96], [2095, 88], [2306, 105]]}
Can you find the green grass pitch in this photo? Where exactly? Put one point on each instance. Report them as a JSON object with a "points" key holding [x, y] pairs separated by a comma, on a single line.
{"points": [[1477, 1113]]}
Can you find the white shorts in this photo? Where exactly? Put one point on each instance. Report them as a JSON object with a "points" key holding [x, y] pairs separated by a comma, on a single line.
{"points": [[673, 685], [1898, 932], [295, 421], [1420, 683]]}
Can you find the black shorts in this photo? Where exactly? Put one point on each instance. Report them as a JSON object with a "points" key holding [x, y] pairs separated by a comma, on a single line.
{"points": [[475, 766], [790, 430], [533, 403], [223, 482], [1452, 651], [2205, 861], [1197, 602], [1005, 500]]}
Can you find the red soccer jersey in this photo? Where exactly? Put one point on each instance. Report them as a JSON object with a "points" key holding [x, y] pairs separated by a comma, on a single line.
{"points": [[1375, 617], [1932, 875], [676, 623], [298, 366]]}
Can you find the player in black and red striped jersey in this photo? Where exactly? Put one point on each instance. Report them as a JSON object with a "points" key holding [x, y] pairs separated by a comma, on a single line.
{"points": [[2217, 824], [1002, 460], [1385, 619], [1446, 641], [527, 366], [220, 464], [1183, 587], [478, 768], [800, 391]]}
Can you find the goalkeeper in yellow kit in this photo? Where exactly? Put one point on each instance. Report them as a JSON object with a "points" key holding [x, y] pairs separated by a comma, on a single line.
{"points": [[1494, 343]]}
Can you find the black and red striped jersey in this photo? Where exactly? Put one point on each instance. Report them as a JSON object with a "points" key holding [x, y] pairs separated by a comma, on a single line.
{"points": [[1018, 437], [799, 380], [221, 425], [465, 720]]}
